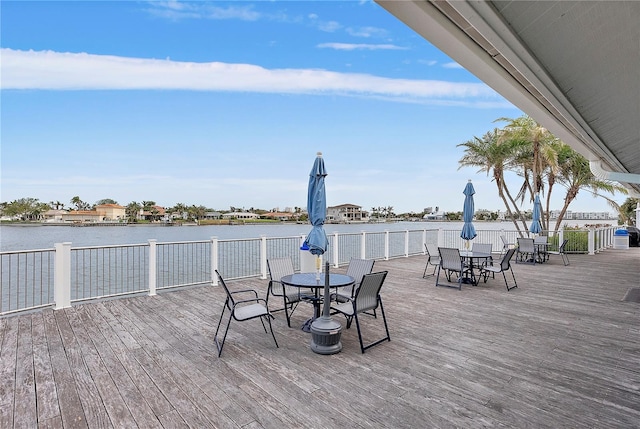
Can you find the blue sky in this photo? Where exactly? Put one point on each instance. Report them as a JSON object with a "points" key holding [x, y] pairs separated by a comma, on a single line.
{"points": [[226, 104]]}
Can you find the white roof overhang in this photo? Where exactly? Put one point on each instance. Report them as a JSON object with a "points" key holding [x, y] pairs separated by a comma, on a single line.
{"points": [[573, 66]]}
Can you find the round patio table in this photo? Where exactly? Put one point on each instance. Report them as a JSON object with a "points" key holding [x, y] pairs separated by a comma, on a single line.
{"points": [[474, 260], [311, 280]]}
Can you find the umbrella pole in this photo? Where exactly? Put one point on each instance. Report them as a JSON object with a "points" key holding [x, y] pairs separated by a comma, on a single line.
{"points": [[326, 332], [318, 267]]}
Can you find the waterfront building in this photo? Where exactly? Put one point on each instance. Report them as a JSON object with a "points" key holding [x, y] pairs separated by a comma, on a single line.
{"points": [[53, 215], [346, 213], [111, 212], [278, 215], [240, 215]]}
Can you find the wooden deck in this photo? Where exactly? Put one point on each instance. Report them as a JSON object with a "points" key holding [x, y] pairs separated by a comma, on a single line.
{"points": [[561, 350]]}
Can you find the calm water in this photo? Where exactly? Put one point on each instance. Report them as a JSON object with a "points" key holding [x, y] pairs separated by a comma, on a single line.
{"points": [[14, 237]]}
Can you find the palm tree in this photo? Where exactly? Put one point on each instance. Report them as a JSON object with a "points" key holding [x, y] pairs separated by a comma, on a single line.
{"points": [[627, 211], [80, 205], [57, 204], [537, 160], [132, 210], [492, 155], [574, 174]]}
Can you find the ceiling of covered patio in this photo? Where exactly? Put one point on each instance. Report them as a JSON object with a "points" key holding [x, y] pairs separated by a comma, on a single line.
{"points": [[573, 66]]}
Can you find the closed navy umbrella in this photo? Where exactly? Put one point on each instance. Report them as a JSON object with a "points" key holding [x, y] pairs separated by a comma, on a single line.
{"points": [[325, 332], [468, 231], [535, 227], [317, 208]]}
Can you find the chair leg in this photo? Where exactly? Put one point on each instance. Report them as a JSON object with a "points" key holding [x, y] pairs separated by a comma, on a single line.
{"points": [[515, 284], [438, 276], [286, 310], [349, 321], [424, 274], [220, 344], [565, 259], [386, 328], [269, 317], [448, 276]]}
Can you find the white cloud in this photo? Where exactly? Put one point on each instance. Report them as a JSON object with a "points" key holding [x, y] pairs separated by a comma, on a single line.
{"points": [[181, 10], [452, 66], [48, 70], [359, 46], [367, 32], [329, 26]]}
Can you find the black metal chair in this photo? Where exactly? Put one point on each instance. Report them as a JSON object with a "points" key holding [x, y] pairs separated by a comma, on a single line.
{"points": [[291, 296], [505, 245], [505, 265], [562, 252], [242, 310], [366, 299], [541, 244], [452, 263], [484, 248], [433, 258], [357, 269], [526, 251]]}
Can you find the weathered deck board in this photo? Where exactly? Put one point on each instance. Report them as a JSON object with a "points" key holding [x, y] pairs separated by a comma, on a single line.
{"points": [[561, 350]]}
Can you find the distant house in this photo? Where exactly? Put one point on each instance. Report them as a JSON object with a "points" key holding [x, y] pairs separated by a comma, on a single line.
{"points": [[155, 214], [240, 215], [346, 213], [439, 215], [53, 215], [111, 212], [212, 215], [82, 216], [278, 215]]}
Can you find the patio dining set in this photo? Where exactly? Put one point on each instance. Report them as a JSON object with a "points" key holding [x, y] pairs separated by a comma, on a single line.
{"points": [[477, 264], [352, 295]]}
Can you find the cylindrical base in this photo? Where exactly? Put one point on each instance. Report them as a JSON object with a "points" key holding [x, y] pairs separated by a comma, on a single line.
{"points": [[621, 242], [325, 336]]}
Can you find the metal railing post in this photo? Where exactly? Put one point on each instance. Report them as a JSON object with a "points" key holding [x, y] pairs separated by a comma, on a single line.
{"points": [[214, 260], [386, 245], [153, 262], [406, 244], [62, 282], [363, 245], [336, 252], [424, 242], [263, 257], [592, 241]]}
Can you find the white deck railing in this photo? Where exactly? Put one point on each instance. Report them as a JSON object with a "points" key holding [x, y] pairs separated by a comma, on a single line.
{"points": [[58, 277]]}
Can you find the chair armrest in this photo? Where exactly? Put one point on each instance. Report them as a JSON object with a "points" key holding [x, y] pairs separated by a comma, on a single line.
{"points": [[257, 300], [244, 291]]}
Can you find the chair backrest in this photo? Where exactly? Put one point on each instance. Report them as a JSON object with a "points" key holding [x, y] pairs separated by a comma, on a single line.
{"points": [[230, 301], [450, 258], [540, 239], [504, 240], [481, 247], [367, 294], [562, 246], [525, 245], [505, 263], [278, 268], [358, 268], [432, 252]]}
